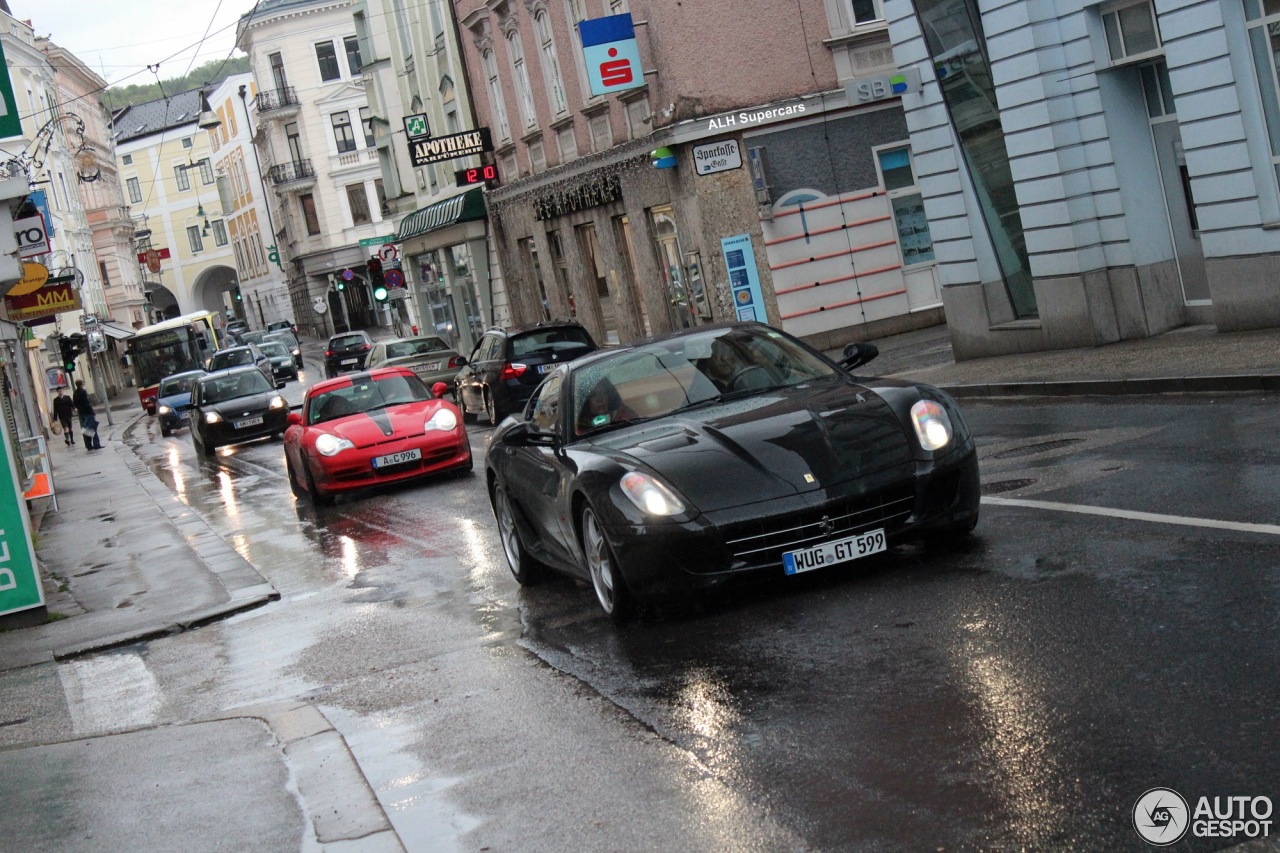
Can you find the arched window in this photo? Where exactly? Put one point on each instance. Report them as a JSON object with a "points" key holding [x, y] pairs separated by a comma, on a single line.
{"points": [[524, 93], [550, 64], [495, 95]]}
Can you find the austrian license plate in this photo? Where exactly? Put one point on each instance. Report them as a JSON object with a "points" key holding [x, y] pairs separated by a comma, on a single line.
{"points": [[427, 368], [248, 422], [829, 553], [547, 368], [350, 361], [397, 458]]}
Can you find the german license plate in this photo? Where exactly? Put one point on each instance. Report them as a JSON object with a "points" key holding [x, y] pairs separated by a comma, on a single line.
{"points": [[350, 361], [248, 422], [427, 368], [547, 368], [829, 553], [397, 458]]}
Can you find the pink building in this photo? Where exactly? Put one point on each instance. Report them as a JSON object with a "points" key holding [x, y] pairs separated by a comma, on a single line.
{"points": [[760, 106]]}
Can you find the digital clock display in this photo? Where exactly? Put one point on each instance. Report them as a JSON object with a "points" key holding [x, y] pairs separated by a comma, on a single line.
{"points": [[487, 174]]}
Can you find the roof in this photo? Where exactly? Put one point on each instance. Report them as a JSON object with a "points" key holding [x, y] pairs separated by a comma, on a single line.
{"points": [[463, 207], [156, 116]]}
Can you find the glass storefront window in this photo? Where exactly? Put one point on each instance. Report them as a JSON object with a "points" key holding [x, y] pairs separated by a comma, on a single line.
{"points": [[1264, 44], [898, 176]]}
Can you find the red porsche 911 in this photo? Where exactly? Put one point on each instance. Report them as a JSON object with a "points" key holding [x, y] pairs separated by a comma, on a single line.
{"points": [[366, 429]]}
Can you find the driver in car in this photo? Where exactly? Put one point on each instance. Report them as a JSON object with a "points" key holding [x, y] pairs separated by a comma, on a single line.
{"points": [[603, 406]]}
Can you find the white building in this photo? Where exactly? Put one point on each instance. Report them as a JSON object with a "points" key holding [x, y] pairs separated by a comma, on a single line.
{"points": [[316, 144], [1094, 172]]}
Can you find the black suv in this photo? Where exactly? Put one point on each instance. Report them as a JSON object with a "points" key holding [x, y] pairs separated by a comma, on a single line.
{"points": [[507, 364], [346, 351]]}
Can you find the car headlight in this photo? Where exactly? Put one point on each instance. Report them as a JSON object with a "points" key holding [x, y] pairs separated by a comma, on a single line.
{"points": [[933, 427], [277, 402], [163, 410], [212, 418], [650, 495], [444, 420], [331, 445], [297, 353]]}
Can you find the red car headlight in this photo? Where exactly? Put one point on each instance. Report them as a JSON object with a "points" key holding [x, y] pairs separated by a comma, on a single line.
{"points": [[331, 445], [444, 420]]}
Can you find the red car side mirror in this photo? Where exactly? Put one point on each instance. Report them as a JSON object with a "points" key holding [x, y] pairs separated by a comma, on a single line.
{"points": [[295, 419], [440, 389]]}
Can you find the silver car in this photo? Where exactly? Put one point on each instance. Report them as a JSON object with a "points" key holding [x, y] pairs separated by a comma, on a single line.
{"points": [[428, 356]]}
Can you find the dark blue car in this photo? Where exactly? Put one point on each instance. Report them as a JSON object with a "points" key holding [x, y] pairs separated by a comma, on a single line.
{"points": [[174, 400]]}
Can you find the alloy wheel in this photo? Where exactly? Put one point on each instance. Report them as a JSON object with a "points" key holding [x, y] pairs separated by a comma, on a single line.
{"points": [[600, 563]]}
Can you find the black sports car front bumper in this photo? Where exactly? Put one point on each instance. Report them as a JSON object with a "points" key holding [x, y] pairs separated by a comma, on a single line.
{"points": [[747, 542]]}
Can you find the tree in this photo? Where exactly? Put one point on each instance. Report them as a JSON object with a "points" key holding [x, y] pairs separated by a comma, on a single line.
{"points": [[210, 73]]}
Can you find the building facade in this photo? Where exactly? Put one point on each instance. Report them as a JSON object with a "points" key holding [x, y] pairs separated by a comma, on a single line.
{"points": [[166, 161], [413, 67], [316, 144], [1096, 171]]}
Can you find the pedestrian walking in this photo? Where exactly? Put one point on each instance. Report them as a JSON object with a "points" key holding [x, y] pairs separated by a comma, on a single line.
{"points": [[88, 422], [63, 409]]}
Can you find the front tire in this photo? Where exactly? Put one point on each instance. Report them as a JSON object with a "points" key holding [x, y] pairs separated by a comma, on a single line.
{"points": [[298, 491], [318, 498], [524, 568], [606, 577], [165, 431]]}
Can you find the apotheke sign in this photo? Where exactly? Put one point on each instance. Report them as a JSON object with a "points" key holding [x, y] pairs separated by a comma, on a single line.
{"points": [[439, 149], [720, 156]]}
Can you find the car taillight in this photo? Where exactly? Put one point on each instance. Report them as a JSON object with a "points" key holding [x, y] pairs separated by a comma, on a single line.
{"points": [[512, 371], [366, 346], [328, 353], [457, 361]]}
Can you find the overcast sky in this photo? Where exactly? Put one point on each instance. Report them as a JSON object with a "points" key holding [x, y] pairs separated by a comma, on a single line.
{"points": [[119, 40]]}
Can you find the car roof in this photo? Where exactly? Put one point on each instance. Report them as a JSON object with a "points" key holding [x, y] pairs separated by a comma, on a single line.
{"points": [[559, 323], [360, 332], [227, 371], [607, 352], [232, 349]]}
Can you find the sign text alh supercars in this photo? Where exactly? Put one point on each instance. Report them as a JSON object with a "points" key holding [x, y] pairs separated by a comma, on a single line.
{"points": [[56, 297], [439, 149]]}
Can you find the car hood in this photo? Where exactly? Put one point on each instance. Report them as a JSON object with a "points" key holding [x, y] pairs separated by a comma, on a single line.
{"points": [[369, 428], [176, 401], [238, 407], [771, 445], [281, 360]]}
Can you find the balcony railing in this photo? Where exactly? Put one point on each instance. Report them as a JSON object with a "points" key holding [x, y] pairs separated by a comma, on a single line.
{"points": [[284, 173], [277, 100]]}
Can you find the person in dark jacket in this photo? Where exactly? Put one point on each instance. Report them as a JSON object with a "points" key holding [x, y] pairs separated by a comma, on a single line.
{"points": [[63, 409], [88, 423]]}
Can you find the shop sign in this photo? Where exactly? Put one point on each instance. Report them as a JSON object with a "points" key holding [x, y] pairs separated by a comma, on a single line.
{"points": [[439, 149], [611, 54], [33, 239], [56, 297], [744, 278], [882, 87], [719, 156], [561, 202], [20, 587]]}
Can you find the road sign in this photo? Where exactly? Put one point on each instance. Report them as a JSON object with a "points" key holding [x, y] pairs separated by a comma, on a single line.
{"points": [[388, 252], [394, 278], [366, 242], [347, 275], [319, 306]]}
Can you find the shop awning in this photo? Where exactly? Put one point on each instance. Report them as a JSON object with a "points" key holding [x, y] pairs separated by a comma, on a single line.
{"points": [[461, 208], [115, 331]]}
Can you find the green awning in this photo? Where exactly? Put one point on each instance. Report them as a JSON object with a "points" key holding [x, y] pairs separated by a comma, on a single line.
{"points": [[461, 208]]}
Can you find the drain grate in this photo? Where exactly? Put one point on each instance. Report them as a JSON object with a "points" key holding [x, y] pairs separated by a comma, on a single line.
{"points": [[1033, 449], [1001, 486]]}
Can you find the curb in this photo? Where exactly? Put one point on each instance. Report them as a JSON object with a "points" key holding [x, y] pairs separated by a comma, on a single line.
{"points": [[1226, 384]]}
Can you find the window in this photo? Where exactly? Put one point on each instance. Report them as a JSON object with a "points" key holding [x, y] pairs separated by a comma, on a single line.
{"points": [[618, 7], [495, 95], [188, 142], [127, 160], [1131, 32], [135, 190], [1157, 89], [180, 175], [352, 45], [219, 232], [507, 168], [524, 94], [382, 197], [550, 64], [308, 203], [576, 11], [193, 237], [277, 71], [342, 134], [294, 140], [102, 271], [327, 57], [537, 157], [897, 175], [206, 172], [638, 117], [358, 199], [366, 121], [865, 12], [568, 144], [1264, 43], [601, 133], [544, 408]]}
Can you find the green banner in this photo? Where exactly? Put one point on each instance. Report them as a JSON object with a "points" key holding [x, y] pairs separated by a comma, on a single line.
{"points": [[377, 241], [20, 587], [10, 121]]}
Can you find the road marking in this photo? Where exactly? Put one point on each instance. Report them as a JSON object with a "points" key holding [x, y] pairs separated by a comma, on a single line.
{"points": [[1157, 518], [110, 692]]}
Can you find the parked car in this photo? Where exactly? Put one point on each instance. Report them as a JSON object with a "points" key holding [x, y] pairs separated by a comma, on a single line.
{"points": [[283, 367], [346, 351], [239, 356], [693, 460], [173, 400], [234, 405], [364, 430], [429, 357], [507, 364], [290, 340]]}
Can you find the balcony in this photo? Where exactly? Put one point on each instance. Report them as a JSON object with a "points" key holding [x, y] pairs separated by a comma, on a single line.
{"points": [[292, 176], [279, 103]]}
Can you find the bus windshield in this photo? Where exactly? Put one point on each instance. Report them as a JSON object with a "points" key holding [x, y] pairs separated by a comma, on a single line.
{"points": [[164, 354]]}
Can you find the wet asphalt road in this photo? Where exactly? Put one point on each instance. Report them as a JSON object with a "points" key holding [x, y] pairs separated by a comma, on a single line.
{"points": [[1021, 691]]}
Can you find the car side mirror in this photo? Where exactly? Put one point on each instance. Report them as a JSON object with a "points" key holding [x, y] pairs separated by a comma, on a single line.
{"points": [[279, 385], [440, 389], [294, 419], [856, 355], [525, 434], [462, 361]]}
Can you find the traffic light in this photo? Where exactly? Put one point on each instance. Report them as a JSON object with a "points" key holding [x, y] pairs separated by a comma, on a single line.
{"points": [[376, 279], [68, 354], [380, 292], [238, 294], [342, 285]]}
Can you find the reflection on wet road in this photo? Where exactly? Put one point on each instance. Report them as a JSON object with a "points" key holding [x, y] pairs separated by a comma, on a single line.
{"points": [[1020, 691]]}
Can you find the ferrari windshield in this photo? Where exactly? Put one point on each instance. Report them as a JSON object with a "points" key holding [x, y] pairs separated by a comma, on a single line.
{"points": [[666, 376], [365, 396]]}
